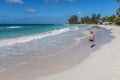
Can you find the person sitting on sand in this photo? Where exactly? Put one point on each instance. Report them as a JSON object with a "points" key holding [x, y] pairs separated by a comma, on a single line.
{"points": [[91, 39]]}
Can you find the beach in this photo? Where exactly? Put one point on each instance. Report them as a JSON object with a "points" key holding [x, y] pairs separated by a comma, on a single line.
{"points": [[60, 40], [78, 61], [103, 64]]}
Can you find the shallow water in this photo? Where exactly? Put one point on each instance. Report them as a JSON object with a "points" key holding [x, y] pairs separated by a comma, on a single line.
{"points": [[24, 41]]}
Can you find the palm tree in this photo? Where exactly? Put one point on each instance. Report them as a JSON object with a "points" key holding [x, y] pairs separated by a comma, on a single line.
{"points": [[117, 19], [118, 12], [118, 2], [73, 19]]}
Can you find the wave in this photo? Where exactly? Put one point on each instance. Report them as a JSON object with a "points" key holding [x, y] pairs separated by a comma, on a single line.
{"points": [[8, 42], [2, 69], [13, 27], [74, 28]]}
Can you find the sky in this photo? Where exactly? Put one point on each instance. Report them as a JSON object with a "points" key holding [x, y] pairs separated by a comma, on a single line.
{"points": [[52, 11]]}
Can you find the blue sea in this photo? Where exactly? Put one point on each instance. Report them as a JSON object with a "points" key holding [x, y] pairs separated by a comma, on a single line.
{"points": [[24, 40]]}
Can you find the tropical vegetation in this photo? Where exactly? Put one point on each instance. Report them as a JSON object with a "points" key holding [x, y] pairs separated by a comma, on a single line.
{"points": [[96, 18], [73, 19]]}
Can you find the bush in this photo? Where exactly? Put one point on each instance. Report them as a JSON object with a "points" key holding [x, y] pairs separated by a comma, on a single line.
{"points": [[116, 21]]}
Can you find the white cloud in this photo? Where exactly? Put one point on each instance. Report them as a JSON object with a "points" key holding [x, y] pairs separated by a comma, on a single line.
{"points": [[51, 1], [14, 1], [30, 10], [58, 0], [79, 12], [71, 0]]}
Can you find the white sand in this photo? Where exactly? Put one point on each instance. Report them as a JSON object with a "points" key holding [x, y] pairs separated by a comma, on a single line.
{"points": [[103, 64]]}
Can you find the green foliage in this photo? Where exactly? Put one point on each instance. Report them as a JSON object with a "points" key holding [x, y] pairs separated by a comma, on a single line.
{"points": [[118, 12], [73, 19], [96, 18], [117, 0], [91, 20], [116, 21], [108, 18]]}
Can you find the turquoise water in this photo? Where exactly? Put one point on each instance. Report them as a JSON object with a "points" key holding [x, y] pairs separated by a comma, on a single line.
{"points": [[30, 40], [16, 30]]}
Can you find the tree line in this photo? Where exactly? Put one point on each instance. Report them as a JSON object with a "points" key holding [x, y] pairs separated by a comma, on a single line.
{"points": [[96, 18]]}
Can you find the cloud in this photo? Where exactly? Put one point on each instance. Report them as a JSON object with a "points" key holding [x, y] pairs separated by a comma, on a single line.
{"points": [[71, 0], [58, 1], [79, 12], [51, 1], [14, 1], [30, 10]]}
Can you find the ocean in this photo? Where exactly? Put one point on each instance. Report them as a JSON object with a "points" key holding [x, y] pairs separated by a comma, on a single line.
{"points": [[26, 40]]}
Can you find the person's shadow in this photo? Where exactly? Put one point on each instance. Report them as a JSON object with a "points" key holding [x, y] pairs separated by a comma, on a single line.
{"points": [[93, 46]]}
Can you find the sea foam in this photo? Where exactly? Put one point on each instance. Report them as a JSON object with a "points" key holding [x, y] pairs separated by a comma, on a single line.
{"points": [[13, 27], [2, 69], [8, 42]]}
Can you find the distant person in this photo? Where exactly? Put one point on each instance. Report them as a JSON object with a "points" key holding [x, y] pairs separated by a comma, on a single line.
{"points": [[91, 39]]}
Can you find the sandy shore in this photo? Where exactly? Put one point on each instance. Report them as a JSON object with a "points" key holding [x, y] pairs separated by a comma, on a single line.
{"points": [[103, 64], [76, 62]]}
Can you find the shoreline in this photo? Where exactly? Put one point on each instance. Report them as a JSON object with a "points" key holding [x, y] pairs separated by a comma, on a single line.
{"points": [[103, 64], [54, 64]]}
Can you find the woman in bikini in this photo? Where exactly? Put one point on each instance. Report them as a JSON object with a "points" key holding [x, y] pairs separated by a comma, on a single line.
{"points": [[91, 39]]}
